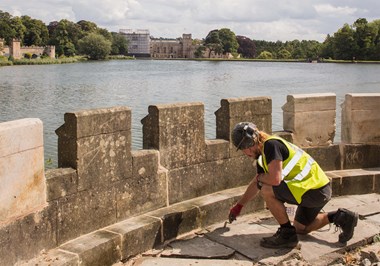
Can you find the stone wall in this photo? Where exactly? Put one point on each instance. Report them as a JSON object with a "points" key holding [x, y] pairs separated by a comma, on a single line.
{"points": [[17, 51], [360, 118], [101, 181]]}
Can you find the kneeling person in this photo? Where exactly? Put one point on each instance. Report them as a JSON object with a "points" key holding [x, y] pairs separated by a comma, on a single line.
{"points": [[286, 173]]}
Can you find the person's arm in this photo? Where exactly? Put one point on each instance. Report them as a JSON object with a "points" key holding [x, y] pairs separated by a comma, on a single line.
{"points": [[274, 175], [248, 195], [250, 192]]}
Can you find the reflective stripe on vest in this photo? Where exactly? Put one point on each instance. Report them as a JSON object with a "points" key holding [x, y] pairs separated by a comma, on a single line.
{"points": [[292, 163]]}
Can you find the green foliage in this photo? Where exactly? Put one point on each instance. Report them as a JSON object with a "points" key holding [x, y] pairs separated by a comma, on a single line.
{"points": [[95, 46], [265, 55], [228, 40], [28, 55], [65, 36], [36, 32], [199, 51], [119, 44], [213, 42]]}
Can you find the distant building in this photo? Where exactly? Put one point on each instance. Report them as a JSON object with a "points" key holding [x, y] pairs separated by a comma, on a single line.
{"points": [[173, 48], [138, 42], [17, 51]]}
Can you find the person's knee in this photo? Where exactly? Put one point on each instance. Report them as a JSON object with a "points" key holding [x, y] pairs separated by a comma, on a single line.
{"points": [[300, 228], [267, 191]]}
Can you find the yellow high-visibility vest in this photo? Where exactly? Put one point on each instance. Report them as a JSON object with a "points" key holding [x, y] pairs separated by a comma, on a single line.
{"points": [[299, 171]]}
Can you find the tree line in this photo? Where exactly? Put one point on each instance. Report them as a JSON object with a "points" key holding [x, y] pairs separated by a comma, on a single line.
{"points": [[359, 41], [69, 38]]}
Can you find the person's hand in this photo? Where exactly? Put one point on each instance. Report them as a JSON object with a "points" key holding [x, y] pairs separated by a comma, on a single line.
{"points": [[234, 212]]}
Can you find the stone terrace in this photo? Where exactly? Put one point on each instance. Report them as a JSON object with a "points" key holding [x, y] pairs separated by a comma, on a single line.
{"points": [[113, 197]]}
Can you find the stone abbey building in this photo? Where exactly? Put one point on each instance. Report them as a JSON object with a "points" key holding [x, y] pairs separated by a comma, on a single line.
{"points": [[142, 45]]}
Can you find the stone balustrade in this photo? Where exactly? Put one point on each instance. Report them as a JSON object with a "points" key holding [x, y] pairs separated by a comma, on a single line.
{"points": [[101, 181]]}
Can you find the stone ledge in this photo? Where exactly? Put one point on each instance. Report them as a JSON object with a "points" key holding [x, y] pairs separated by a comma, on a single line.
{"points": [[151, 230], [355, 181]]}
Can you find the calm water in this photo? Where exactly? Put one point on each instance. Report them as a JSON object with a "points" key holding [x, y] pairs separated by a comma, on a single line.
{"points": [[48, 91]]}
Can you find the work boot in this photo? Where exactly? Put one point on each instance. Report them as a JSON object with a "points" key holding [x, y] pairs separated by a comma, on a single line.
{"points": [[346, 220], [285, 237]]}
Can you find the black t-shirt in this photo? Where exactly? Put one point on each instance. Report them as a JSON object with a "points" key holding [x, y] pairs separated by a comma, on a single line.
{"points": [[274, 150]]}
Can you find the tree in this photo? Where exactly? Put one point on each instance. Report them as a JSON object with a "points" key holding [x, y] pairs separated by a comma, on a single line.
{"points": [[95, 46], [365, 35], [213, 42], [228, 40], [247, 47], [345, 46], [265, 55], [284, 54], [7, 32], [36, 32], [87, 26], [119, 44], [65, 36], [327, 49]]}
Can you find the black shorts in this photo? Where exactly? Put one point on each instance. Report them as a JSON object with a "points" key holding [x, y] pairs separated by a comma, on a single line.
{"points": [[311, 204]]}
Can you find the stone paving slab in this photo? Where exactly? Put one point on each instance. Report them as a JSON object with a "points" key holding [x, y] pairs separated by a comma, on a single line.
{"points": [[198, 247], [189, 262], [244, 236]]}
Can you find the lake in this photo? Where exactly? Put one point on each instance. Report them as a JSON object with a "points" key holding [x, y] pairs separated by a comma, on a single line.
{"points": [[48, 91]]}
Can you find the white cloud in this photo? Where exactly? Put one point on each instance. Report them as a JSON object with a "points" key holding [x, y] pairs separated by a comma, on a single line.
{"points": [[330, 10]]}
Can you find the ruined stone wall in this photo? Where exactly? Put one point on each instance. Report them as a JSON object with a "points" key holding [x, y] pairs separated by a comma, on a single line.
{"points": [[101, 181]]}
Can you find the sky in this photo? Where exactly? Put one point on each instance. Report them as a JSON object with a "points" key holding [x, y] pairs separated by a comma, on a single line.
{"points": [[269, 20]]}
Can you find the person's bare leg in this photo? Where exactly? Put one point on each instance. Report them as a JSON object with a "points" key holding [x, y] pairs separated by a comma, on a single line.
{"points": [[320, 221], [276, 207]]}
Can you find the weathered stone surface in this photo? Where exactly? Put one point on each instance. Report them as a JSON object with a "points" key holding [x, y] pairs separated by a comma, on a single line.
{"points": [[355, 181], [328, 157], [98, 248], [360, 118], [13, 138], [336, 183], [97, 143], [84, 212], [211, 206], [26, 237], [257, 110], [244, 235], [61, 182], [286, 135], [361, 156], [217, 149], [146, 190], [22, 179], [198, 247], [176, 220], [138, 234], [311, 118], [177, 131], [190, 262], [54, 257], [94, 122], [103, 159], [313, 102], [201, 179]]}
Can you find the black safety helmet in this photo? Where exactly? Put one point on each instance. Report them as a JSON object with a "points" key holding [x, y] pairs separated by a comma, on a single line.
{"points": [[245, 135]]}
